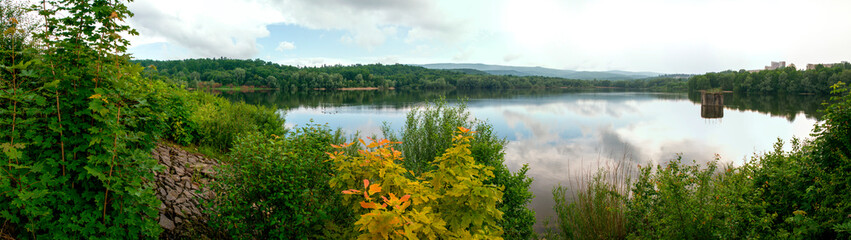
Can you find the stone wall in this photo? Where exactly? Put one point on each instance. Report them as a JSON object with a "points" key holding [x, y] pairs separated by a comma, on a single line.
{"points": [[180, 187]]}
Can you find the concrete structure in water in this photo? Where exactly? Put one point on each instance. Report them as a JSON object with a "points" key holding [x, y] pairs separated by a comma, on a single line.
{"points": [[711, 105]]}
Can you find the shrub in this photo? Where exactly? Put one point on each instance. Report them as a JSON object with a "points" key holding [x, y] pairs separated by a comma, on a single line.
{"points": [[277, 187], [427, 134], [686, 201], [218, 121], [451, 201], [807, 189]]}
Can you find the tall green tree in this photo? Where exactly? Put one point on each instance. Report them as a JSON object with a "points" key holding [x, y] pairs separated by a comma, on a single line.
{"points": [[76, 163]]}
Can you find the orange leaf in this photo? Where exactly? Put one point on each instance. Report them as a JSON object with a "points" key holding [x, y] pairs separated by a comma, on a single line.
{"points": [[405, 198], [365, 183], [351, 191], [374, 188], [368, 205], [463, 129]]}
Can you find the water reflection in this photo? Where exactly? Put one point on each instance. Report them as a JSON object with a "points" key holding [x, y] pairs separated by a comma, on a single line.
{"points": [[563, 134]]}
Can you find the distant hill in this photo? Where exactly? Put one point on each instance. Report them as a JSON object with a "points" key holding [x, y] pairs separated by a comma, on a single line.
{"points": [[546, 72], [469, 71]]}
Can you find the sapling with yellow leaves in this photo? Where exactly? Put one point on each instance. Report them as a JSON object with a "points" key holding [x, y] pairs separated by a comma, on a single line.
{"points": [[450, 201]]}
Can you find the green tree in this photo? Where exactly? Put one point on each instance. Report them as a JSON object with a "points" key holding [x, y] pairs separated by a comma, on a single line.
{"points": [[77, 159]]}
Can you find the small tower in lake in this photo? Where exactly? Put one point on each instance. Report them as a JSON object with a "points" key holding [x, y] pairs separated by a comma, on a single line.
{"points": [[711, 105]]}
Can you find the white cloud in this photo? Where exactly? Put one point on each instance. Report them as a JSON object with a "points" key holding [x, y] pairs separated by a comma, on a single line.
{"points": [[371, 23], [219, 28], [691, 36], [283, 46]]}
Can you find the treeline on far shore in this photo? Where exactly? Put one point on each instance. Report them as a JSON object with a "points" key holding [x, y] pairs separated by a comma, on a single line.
{"points": [[219, 72], [782, 80]]}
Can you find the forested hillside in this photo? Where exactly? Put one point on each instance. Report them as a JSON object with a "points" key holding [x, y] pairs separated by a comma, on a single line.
{"points": [[196, 73]]}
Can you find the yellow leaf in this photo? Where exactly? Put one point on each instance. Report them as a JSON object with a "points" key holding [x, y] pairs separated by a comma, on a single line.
{"points": [[374, 188], [95, 96], [13, 20]]}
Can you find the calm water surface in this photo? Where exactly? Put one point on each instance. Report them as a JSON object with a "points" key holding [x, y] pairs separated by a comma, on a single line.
{"points": [[562, 134]]}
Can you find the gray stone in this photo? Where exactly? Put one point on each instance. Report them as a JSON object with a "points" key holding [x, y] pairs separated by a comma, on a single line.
{"points": [[172, 196], [178, 212], [179, 170], [166, 223], [181, 199]]}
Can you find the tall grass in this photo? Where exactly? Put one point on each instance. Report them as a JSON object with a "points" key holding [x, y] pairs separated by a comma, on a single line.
{"points": [[594, 205]]}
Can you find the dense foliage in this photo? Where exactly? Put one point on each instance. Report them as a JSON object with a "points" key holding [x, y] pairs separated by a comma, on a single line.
{"points": [[204, 73], [78, 127], [276, 187], [782, 80], [426, 135], [216, 122], [798, 194], [452, 201]]}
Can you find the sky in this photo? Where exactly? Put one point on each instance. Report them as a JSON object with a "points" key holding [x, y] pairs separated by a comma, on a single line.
{"points": [[666, 36]]}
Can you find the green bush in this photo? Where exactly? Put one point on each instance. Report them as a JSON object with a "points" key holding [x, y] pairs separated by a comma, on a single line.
{"points": [[807, 189], [428, 133], [218, 121], [686, 201], [276, 187]]}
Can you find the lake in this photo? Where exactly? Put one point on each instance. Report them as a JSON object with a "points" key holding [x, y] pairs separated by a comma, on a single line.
{"points": [[563, 133]]}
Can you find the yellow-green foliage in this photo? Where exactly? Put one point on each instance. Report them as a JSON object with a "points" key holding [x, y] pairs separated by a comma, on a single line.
{"points": [[450, 201]]}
